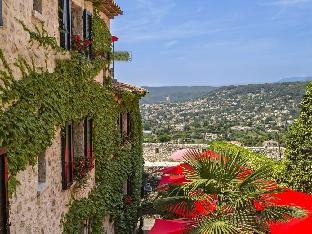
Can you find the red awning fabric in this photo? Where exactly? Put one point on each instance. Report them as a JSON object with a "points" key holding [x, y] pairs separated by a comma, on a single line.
{"points": [[294, 226], [176, 170], [172, 179], [163, 226]]}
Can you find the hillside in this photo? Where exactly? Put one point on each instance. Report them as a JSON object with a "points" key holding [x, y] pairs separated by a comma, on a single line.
{"points": [[248, 113], [175, 93], [296, 79]]}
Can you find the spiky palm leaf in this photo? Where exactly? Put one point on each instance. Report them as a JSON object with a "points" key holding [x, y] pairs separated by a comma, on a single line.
{"points": [[223, 183]]}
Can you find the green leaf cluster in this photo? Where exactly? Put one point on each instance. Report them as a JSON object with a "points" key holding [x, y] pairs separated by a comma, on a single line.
{"points": [[299, 147]]}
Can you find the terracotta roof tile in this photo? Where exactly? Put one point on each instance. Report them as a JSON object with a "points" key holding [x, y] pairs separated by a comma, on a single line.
{"points": [[119, 86]]}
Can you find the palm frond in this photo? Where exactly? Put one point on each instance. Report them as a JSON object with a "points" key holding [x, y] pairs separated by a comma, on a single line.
{"points": [[280, 213]]}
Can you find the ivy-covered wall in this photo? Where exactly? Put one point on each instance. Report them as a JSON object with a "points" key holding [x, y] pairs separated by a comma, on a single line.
{"points": [[33, 107]]}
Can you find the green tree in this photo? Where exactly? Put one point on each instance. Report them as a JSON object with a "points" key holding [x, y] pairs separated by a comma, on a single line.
{"points": [[299, 147]]}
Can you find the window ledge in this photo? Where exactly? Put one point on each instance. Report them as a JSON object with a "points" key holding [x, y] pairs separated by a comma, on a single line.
{"points": [[41, 188], [38, 15]]}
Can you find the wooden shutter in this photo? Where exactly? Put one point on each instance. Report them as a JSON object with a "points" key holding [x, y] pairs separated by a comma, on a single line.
{"points": [[87, 29], [65, 23], [4, 211], [88, 135], [67, 156], [1, 19]]}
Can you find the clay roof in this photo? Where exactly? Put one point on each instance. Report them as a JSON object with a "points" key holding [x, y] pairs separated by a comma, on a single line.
{"points": [[110, 8], [121, 87]]}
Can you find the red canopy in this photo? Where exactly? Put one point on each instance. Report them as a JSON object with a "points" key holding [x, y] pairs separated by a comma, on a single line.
{"points": [[163, 226], [176, 170], [173, 179], [296, 225]]}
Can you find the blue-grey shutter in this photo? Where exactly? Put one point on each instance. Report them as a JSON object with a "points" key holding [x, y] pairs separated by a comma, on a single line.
{"points": [[65, 23], [87, 29]]}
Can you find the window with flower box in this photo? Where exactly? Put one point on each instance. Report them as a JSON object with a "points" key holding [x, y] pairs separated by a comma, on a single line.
{"points": [[4, 211], [67, 156], [65, 23]]}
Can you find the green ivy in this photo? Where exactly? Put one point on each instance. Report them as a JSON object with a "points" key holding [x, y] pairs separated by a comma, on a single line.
{"points": [[101, 43], [35, 105], [299, 147]]}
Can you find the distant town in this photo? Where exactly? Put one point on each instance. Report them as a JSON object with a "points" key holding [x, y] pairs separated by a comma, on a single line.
{"points": [[249, 114]]}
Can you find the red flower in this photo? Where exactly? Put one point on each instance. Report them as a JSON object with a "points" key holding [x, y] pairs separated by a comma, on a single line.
{"points": [[77, 38], [114, 38]]}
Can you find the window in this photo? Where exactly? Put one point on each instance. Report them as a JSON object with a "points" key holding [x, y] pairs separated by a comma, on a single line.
{"points": [[88, 132], [124, 122], [65, 23], [86, 227], [42, 171], [129, 186], [37, 6], [156, 150], [1, 20], [4, 211], [67, 156], [87, 30]]}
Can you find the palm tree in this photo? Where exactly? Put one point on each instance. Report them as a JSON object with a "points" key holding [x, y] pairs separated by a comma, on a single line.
{"points": [[222, 196]]}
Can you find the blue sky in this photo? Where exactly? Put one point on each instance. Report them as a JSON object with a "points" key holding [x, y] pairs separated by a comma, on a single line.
{"points": [[214, 42]]}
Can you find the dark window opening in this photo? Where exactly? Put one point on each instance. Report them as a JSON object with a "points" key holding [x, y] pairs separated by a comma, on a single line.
{"points": [[86, 227], [37, 6], [124, 123], [67, 156], [88, 138], [87, 30], [1, 20], [4, 211], [65, 23], [129, 186], [42, 168], [157, 150]]}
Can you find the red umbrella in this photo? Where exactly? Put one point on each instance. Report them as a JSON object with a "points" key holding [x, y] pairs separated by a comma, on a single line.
{"points": [[176, 170], [163, 226], [295, 225], [173, 179]]}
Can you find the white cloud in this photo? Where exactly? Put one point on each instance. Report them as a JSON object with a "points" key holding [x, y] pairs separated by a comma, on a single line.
{"points": [[171, 43], [285, 3]]}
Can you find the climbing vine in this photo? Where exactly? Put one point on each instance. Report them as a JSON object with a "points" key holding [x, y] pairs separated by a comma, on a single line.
{"points": [[34, 106], [101, 36]]}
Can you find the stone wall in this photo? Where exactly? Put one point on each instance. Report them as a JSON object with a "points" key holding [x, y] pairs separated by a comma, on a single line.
{"points": [[160, 152], [40, 207], [40, 210]]}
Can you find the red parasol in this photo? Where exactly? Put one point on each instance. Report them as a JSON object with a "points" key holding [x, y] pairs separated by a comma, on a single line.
{"points": [[163, 226]]}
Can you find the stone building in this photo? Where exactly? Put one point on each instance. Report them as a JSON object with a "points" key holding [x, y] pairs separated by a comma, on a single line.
{"points": [[45, 187]]}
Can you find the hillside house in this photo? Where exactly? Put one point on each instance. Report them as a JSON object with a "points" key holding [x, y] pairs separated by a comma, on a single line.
{"points": [[70, 136]]}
